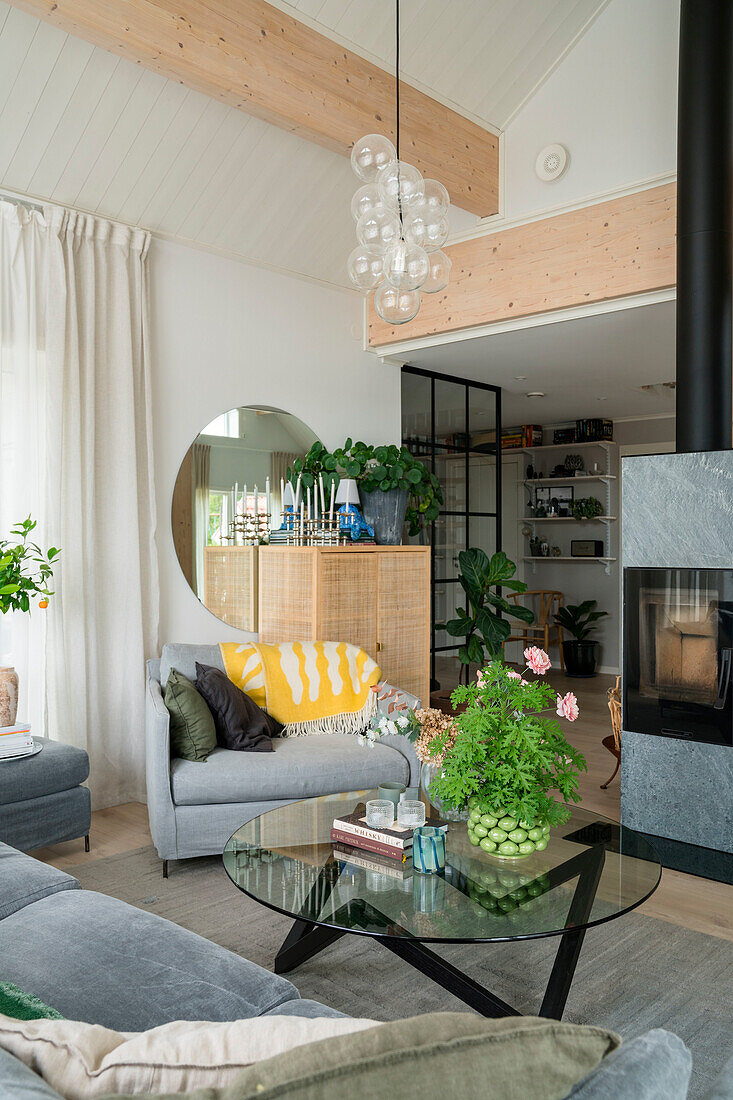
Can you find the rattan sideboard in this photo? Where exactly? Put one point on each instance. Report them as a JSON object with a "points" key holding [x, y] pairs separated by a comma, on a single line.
{"points": [[376, 597]]}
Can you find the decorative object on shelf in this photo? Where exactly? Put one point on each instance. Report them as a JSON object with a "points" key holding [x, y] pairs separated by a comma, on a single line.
{"points": [[25, 574], [411, 813], [579, 620], [531, 474], [544, 549], [250, 526], [380, 813], [391, 792], [555, 552], [534, 546], [560, 470], [401, 223], [385, 511], [586, 548], [508, 755], [587, 508], [555, 500], [428, 849], [574, 463], [480, 623], [351, 521]]}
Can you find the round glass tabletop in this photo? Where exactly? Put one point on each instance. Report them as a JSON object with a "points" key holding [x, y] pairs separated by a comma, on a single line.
{"points": [[591, 871]]}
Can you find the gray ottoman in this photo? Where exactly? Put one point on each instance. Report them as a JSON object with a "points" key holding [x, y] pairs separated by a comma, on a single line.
{"points": [[41, 798]]}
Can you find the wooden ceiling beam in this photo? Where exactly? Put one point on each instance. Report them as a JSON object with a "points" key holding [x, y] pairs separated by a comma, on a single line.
{"points": [[252, 56]]}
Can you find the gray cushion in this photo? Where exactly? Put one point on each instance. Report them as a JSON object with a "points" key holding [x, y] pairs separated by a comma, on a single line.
{"points": [[97, 959], [49, 819], [654, 1066], [304, 1007], [299, 767], [17, 1082], [23, 880], [182, 656], [723, 1087], [56, 768]]}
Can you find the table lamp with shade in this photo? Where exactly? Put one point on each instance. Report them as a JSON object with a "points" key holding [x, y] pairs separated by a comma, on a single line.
{"points": [[351, 519]]}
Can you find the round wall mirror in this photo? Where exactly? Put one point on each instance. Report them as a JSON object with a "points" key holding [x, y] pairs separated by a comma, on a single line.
{"points": [[226, 498]]}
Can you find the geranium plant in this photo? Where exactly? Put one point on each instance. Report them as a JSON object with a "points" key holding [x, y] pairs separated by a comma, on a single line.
{"points": [[509, 756], [25, 570]]}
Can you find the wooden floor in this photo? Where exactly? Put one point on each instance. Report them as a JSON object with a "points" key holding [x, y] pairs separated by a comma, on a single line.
{"points": [[686, 900]]}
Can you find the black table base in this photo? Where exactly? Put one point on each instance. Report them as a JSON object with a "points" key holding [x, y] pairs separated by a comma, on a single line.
{"points": [[306, 938]]}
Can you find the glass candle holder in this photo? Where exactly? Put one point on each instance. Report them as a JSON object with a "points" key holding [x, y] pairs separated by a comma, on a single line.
{"points": [[428, 850], [411, 813], [380, 813]]}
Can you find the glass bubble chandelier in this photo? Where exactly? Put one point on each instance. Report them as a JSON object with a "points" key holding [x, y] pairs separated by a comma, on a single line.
{"points": [[401, 223]]}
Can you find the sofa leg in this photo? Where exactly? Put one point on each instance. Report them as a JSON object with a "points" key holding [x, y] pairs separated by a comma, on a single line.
{"points": [[86, 843], [165, 868]]}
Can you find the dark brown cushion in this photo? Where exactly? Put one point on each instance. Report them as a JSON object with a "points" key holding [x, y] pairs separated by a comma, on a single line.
{"points": [[240, 723]]}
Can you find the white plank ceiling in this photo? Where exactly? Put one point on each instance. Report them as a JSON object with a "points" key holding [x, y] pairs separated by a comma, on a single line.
{"points": [[84, 128]]}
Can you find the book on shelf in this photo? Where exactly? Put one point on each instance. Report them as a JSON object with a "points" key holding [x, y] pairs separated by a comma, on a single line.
{"points": [[370, 861], [368, 844]]}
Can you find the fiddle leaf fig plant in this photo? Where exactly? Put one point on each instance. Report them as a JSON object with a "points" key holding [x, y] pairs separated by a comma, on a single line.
{"points": [[481, 623], [25, 569]]}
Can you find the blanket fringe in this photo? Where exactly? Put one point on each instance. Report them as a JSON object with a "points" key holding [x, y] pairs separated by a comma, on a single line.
{"points": [[354, 723]]}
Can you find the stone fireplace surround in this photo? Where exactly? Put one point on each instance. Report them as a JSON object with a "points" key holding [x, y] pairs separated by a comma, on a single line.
{"points": [[677, 512]]}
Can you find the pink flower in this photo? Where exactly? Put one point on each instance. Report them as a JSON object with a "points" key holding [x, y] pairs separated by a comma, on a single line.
{"points": [[513, 675], [537, 660], [567, 707]]}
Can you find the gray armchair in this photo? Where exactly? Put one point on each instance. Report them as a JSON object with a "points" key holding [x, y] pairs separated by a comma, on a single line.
{"points": [[195, 807]]}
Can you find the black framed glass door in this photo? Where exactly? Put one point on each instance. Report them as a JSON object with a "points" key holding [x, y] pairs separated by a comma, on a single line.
{"points": [[453, 425]]}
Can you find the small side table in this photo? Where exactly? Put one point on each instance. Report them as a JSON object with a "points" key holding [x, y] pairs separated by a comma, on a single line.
{"points": [[42, 800]]}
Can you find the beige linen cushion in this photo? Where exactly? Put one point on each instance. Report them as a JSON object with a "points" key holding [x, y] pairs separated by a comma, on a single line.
{"points": [[83, 1060]]}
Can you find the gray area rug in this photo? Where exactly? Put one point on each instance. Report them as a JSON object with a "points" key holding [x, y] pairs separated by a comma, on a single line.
{"points": [[634, 973]]}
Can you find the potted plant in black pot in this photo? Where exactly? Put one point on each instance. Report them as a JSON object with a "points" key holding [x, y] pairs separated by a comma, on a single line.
{"points": [[579, 620]]}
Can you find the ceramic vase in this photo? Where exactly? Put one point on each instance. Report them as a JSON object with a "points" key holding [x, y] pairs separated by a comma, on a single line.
{"points": [[8, 696]]}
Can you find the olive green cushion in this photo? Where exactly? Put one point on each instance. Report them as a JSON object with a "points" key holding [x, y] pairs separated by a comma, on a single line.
{"points": [[445, 1054], [19, 1005], [192, 730]]}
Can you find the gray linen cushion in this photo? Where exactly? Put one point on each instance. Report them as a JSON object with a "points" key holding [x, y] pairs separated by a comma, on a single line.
{"points": [[298, 767], [183, 656], [56, 768], [17, 1082], [654, 1066], [304, 1007], [23, 881], [48, 819], [99, 960]]}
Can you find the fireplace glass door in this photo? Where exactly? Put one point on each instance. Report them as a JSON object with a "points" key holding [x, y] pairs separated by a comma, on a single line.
{"points": [[677, 653]]}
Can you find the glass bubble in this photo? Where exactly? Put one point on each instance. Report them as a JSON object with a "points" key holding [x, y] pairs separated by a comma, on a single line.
{"points": [[364, 200], [435, 197], [370, 155], [378, 227], [439, 276], [429, 231], [364, 266], [401, 183], [406, 266], [394, 306]]}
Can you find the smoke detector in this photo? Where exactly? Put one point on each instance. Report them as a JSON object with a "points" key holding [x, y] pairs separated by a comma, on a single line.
{"points": [[551, 163]]}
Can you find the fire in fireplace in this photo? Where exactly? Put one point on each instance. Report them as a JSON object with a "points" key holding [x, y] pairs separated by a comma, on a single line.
{"points": [[677, 645]]}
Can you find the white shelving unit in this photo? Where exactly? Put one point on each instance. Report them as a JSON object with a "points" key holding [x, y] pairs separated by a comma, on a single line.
{"points": [[604, 478]]}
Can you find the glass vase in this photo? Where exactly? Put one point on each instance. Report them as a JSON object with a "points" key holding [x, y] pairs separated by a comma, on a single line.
{"points": [[428, 772]]}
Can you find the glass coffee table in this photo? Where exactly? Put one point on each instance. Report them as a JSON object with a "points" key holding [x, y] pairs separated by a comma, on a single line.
{"points": [[592, 871]]}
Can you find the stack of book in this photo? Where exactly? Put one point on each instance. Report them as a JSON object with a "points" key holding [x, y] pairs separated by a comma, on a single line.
{"points": [[15, 741], [352, 831]]}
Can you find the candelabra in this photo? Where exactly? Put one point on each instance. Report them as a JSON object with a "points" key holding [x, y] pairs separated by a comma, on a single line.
{"points": [[251, 529]]}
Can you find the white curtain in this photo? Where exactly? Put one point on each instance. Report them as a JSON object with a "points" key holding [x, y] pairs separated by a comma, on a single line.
{"points": [[200, 466], [86, 370]]}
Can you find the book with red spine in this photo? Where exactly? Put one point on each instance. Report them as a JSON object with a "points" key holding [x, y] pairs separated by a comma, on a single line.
{"points": [[397, 836], [370, 861], [368, 844]]}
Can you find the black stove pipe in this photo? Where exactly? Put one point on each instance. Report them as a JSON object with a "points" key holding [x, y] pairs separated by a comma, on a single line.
{"points": [[704, 244]]}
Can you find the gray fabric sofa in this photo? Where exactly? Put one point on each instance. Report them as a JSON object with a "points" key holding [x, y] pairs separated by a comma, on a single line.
{"points": [[42, 799], [195, 807], [97, 959]]}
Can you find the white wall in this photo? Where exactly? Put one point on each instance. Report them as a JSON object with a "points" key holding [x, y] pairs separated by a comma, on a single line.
{"points": [[612, 102], [228, 334]]}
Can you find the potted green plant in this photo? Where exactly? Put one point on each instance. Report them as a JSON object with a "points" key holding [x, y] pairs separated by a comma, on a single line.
{"points": [[580, 652], [505, 756], [25, 572], [395, 487], [481, 622]]}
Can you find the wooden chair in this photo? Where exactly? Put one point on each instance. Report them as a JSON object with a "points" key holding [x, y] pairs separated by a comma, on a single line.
{"points": [[613, 741], [545, 604]]}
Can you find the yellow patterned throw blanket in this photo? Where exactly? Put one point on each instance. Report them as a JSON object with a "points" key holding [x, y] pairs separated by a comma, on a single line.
{"points": [[311, 687]]}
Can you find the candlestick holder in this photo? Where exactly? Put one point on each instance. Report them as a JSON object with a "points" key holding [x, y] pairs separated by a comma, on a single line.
{"points": [[248, 529], [322, 530]]}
